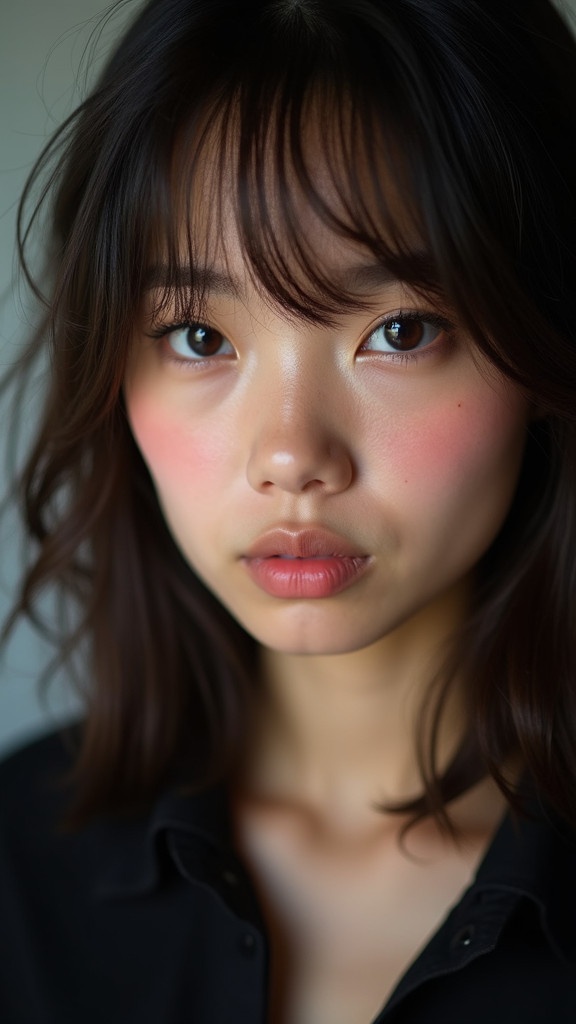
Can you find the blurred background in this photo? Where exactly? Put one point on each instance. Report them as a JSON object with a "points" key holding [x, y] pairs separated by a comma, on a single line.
{"points": [[49, 54]]}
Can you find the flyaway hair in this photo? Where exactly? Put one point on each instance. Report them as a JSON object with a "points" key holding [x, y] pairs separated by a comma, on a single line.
{"points": [[448, 130]]}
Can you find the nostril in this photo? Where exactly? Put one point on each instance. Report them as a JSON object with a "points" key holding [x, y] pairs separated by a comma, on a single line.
{"points": [[298, 462]]}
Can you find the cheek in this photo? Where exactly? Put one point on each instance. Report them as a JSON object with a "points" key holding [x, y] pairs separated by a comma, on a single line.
{"points": [[460, 451], [175, 453]]}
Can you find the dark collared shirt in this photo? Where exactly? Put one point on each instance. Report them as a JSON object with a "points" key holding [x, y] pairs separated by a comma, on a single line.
{"points": [[153, 921]]}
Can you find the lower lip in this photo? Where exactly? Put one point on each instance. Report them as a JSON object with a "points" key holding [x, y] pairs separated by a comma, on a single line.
{"points": [[305, 577]]}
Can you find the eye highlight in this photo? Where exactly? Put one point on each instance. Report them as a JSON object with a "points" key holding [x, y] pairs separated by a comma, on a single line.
{"points": [[193, 342], [406, 333]]}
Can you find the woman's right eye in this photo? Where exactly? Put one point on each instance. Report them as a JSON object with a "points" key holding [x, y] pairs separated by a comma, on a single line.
{"points": [[196, 341]]}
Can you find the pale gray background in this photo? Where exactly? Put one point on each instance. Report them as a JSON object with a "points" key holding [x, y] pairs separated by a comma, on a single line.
{"points": [[44, 46], [42, 78]]}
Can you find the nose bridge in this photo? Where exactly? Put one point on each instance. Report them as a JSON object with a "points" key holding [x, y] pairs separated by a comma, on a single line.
{"points": [[297, 442], [295, 396]]}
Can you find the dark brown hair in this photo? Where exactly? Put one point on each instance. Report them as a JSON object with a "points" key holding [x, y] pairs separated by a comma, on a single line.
{"points": [[471, 106]]}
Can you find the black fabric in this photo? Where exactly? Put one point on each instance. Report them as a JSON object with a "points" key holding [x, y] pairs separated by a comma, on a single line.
{"points": [[153, 921]]}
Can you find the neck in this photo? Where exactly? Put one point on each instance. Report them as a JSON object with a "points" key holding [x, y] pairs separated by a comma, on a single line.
{"points": [[339, 730]]}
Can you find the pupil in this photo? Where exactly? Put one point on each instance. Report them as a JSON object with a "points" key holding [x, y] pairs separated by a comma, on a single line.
{"points": [[404, 334], [204, 341]]}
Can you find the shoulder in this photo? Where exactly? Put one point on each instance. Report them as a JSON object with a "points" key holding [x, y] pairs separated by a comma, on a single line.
{"points": [[44, 863]]}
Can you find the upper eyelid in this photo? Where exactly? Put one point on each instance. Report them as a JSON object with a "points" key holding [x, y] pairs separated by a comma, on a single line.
{"points": [[159, 329], [431, 315], [161, 332], [408, 313], [447, 328]]}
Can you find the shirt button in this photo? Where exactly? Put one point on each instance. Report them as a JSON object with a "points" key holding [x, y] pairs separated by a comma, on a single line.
{"points": [[464, 937], [247, 944]]}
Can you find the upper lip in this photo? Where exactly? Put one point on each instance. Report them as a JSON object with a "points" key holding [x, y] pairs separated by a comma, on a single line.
{"points": [[293, 542]]}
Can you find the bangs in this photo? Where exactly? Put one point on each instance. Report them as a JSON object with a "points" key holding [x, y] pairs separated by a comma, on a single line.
{"points": [[295, 127], [291, 164], [433, 139]]}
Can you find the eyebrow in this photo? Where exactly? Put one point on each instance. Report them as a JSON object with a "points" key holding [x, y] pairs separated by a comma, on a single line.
{"points": [[206, 279], [415, 267], [361, 278]]}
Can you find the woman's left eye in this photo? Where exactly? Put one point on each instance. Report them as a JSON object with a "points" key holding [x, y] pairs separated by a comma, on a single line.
{"points": [[405, 333], [194, 342]]}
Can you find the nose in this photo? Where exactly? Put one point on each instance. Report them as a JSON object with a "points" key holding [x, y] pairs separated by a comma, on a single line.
{"points": [[297, 445]]}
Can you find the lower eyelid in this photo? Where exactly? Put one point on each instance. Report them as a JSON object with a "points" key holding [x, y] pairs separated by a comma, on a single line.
{"points": [[162, 337], [170, 356], [440, 345], [225, 352], [374, 349]]}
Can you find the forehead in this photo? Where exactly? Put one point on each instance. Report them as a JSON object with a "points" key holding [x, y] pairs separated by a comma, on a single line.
{"points": [[308, 207]]}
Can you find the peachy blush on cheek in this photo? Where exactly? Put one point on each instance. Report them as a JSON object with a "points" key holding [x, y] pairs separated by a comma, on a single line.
{"points": [[455, 462], [174, 451]]}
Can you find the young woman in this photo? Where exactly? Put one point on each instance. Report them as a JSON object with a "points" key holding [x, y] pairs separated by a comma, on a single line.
{"points": [[306, 479]]}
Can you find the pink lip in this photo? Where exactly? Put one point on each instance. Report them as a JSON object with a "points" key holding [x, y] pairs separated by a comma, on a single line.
{"points": [[295, 563]]}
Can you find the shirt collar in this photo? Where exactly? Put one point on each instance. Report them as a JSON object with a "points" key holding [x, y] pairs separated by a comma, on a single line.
{"points": [[535, 858], [138, 846], [532, 858], [528, 860]]}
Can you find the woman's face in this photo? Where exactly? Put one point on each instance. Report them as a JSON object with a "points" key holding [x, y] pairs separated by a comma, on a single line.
{"points": [[328, 484]]}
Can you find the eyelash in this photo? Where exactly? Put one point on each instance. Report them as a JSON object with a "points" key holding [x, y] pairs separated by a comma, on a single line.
{"points": [[425, 317], [162, 332]]}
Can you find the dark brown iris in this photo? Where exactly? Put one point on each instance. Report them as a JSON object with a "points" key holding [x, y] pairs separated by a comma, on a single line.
{"points": [[204, 341], [404, 335]]}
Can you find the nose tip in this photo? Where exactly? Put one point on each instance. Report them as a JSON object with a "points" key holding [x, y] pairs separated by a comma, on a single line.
{"points": [[302, 465]]}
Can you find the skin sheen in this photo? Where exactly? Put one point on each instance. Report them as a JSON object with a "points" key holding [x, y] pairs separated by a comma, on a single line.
{"points": [[410, 460]]}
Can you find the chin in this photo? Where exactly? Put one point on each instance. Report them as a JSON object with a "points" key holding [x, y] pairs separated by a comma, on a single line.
{"points": [[311, 636]]}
